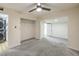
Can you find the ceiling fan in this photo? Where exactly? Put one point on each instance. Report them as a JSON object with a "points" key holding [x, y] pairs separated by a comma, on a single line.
{"points": [[39, 7]]}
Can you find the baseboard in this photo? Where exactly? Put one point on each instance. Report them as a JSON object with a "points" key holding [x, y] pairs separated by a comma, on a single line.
{"points": [[28, 39], [37, 38], [77, 51], [14, 46], [21, 42], [57, 37]]}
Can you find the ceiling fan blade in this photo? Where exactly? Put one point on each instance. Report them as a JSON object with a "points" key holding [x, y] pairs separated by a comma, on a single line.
{"points": [[1, 9], [32, 10], [48, 9]]}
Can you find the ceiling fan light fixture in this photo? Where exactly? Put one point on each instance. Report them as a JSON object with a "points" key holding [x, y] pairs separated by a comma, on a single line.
{"points": [[38, 9], [38, 4]]}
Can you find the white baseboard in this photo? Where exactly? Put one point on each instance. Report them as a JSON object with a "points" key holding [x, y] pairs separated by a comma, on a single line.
{"points": [[73, 49], [28, 39]]}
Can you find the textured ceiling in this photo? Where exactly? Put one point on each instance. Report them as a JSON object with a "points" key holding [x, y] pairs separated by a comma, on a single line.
{"points": [[25, 7]]}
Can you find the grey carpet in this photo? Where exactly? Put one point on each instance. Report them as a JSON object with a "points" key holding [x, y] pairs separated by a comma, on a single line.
{"points": [[39, 48]]}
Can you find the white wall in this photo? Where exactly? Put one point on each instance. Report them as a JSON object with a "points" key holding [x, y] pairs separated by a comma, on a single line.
{"points": [[14, 34], [27, 29], [60, 30], [37, 30]]}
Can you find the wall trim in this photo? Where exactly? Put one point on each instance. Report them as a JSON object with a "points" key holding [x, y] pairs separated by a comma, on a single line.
{"points": [[28, 39], [57, 37], [77, 51]]}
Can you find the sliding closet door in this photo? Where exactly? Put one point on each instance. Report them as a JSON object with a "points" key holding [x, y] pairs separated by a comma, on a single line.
{"points": [[27, 29]]}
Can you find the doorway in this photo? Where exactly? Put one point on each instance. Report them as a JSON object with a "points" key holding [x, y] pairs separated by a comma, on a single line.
{"points": [[56, 30]]}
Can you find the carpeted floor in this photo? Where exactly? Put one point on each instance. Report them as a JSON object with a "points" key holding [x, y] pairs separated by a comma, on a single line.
{"points": [[39, 48]]}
